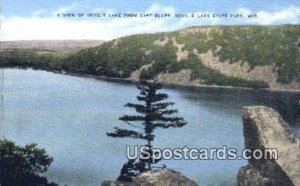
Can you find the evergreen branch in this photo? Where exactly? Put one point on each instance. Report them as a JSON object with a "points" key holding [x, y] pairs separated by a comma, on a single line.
{"points": [[138, 107], [141, 98], [151, 85], [169, 112], [154, 85], [158, 97], [132, 118], [121, 133], [142, 90], [151, 98], [134, 105], [164, 105], [168, 125], [132, 125], [169, 119]]}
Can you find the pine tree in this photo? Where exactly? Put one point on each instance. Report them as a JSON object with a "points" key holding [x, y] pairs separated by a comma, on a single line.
{"points": [[153, 113]]}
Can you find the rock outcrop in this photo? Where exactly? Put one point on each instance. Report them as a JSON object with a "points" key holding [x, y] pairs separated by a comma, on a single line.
{"points": [[165, 177], [241, 70], [264, 128]]}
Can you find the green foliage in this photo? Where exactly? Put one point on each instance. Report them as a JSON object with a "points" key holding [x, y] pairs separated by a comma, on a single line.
{"points": [[115, 58], [23, 165], [31, 58], [161, 57], [256, 45], [131, 169], [153, 113], [213, 77]]}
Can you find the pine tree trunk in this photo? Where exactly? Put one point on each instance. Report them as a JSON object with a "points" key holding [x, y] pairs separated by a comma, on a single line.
{"points": [[148, 123], [150, 150]]}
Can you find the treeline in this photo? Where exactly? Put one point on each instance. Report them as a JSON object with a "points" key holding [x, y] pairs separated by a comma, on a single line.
{"points": [[163, 60], [256, 45], [32, 59], [23, 165]]}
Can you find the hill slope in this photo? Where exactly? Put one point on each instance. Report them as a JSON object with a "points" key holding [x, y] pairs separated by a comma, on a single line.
{"points": [[49, 45], [41, 54], [247, 56], [244, 56]]}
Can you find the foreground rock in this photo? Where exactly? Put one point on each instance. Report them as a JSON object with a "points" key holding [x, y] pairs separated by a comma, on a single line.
{"points": [[165, 177], [264, 128]]}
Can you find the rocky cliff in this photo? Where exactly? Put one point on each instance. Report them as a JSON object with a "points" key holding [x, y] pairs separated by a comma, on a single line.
{"points": [[165, 177], [265, 129], [239, 56], [232, 56]]}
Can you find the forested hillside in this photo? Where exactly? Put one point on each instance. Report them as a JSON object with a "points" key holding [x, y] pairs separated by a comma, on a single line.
{"points": [[244, 56]]}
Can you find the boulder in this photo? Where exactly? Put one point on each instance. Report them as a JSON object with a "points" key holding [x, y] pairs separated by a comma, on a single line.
{"points": [[165, 177], [264, 128]]}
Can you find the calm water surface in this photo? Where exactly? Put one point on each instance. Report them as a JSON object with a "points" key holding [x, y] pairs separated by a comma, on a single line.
{"points": [[69, 116]]}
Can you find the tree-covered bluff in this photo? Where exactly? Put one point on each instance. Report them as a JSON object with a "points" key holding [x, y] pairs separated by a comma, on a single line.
{"points": [[243, 56]]}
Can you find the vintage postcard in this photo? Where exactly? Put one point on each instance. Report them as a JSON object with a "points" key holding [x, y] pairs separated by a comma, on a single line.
{"points": [[150, 93]]}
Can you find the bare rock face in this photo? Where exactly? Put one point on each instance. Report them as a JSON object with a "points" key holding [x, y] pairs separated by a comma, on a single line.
{"points": [[165, 177], [264, 128], [248, 175]]}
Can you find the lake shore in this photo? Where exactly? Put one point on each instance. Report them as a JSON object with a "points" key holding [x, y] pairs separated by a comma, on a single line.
{"points": [[79, 111], [167, 85], [180, 86]]}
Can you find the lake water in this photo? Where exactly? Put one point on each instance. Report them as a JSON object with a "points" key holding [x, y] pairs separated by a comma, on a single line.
{"points": [[70, 115]]}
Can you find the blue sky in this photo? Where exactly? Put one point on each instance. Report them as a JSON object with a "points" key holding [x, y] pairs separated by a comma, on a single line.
{"points": [[26, 7], [37, 19]]}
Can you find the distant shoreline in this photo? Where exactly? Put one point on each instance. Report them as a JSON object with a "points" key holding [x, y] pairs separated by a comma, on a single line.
{"points": [[167, 85], [181, 86]]}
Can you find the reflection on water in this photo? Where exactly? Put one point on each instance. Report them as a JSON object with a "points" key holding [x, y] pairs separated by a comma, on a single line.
{"points": [[287, 104], [69, 116]]}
